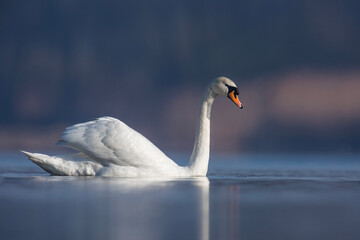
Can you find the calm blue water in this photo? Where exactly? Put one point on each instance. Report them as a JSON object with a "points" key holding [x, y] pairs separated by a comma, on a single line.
{"points": [[244, 197]]}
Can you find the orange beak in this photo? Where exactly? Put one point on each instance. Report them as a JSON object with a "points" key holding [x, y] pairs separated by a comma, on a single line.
{"points": [[235, 99]]}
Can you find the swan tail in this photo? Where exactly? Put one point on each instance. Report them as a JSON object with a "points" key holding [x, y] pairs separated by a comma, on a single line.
{"points": [[57, 165]]}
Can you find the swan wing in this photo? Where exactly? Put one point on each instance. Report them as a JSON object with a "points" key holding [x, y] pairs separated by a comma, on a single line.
{"points": [[109, 141]]}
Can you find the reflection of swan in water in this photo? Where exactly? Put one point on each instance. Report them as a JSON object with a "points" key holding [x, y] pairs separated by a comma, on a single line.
{"points": [[204, 204], [108, 147], [163, 203], [123, 208]]}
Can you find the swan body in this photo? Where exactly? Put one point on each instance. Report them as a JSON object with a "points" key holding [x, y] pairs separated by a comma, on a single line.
{"points": [[108, 147]]}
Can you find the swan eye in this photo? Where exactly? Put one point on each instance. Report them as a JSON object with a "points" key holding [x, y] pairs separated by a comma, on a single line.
{"points": [[230, 89]]}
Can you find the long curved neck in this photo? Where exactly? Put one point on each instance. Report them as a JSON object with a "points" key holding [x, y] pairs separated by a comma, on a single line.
{"points": [[199, 160]]}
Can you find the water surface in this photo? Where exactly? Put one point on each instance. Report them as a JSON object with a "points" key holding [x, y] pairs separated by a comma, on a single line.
{"points": [[244, 197]]}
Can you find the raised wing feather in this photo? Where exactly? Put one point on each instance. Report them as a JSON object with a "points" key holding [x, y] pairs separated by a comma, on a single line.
{"points": [[108, 140]]}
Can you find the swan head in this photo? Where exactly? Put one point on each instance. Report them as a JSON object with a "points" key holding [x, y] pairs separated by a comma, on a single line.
{"points": [[226, 87]]}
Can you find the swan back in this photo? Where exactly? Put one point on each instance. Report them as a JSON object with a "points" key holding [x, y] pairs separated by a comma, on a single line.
{"points": [[109, 141]]}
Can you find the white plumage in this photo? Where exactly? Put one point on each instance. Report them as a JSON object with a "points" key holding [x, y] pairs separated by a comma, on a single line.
{"points": [[108, 147], [108, 140]]}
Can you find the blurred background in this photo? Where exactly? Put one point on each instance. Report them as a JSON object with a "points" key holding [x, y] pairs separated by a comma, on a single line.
{"points": [[297, 65]]}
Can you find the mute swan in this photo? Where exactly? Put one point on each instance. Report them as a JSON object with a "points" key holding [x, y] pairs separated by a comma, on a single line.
{"points": [[108, 147]]}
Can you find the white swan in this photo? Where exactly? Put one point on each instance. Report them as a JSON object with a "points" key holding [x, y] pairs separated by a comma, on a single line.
{"points": [[108, 147]]}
